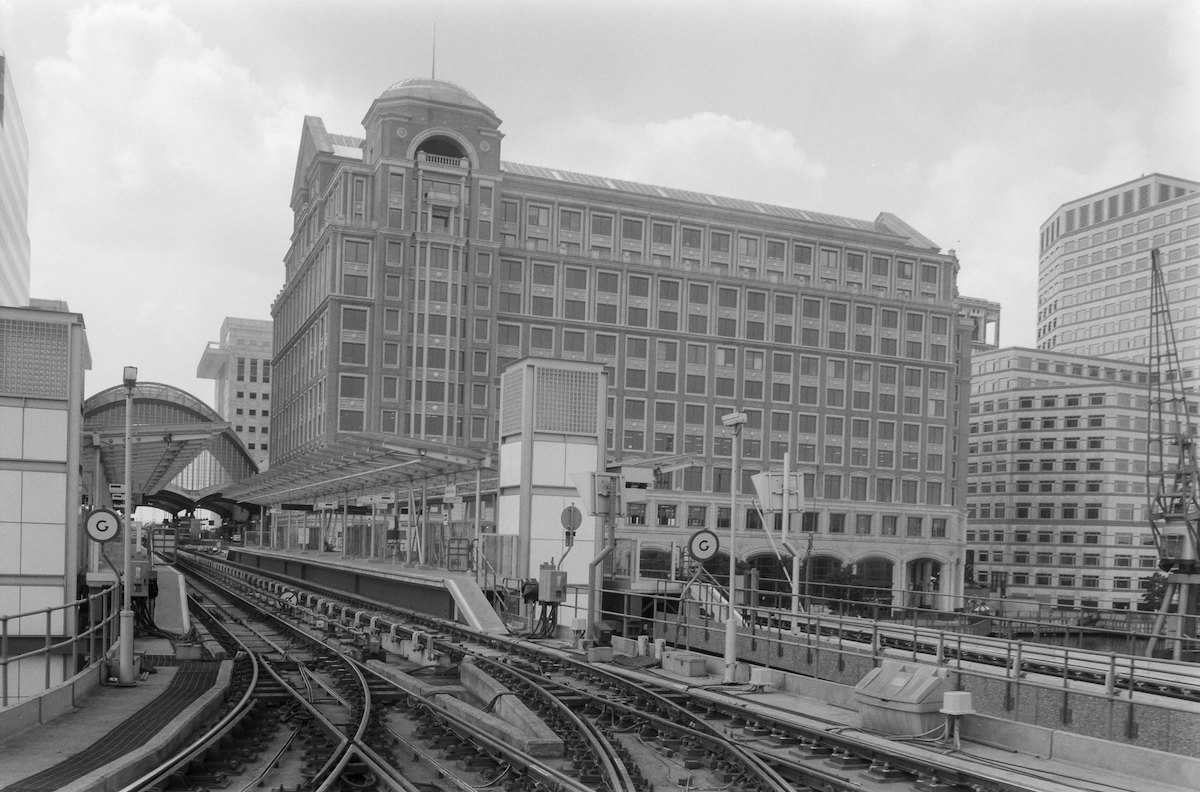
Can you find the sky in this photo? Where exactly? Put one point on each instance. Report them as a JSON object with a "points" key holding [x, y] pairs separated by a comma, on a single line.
{"points": [[163, 135]]}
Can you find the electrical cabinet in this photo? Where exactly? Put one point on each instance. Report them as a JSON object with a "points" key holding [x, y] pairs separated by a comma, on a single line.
{"points": [[140, 576], [552, 584]]}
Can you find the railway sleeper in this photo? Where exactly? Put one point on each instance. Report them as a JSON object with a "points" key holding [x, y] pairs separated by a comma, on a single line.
{"points": [[811, 748], [478, 761], [884, 771], [845, 759], [199, 775], [932, 783], [223, 764]]}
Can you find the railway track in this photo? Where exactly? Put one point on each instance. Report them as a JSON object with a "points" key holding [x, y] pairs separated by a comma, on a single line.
{"points": [[466, 710], [306, 716]]}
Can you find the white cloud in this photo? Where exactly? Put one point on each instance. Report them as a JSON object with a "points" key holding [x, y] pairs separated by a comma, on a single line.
{"points": [[1178, 125], [706, 152], [171, 166]]}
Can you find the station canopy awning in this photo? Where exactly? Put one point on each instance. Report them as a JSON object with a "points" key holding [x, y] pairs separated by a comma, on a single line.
{"points": [[181, 453], [361, 464]]}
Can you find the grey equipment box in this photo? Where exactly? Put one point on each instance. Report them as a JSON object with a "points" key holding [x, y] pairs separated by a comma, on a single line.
{"points": [[901, 698]]}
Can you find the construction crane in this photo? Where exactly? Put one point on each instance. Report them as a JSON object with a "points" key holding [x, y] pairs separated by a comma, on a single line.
{"points": [[1172, 476]]}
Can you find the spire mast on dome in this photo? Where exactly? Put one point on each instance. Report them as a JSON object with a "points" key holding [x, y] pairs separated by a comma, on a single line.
{"points": [[433, 59]]}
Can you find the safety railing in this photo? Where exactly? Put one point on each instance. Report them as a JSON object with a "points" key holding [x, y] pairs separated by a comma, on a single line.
{"points": [[1037, 683], [86, 628]]}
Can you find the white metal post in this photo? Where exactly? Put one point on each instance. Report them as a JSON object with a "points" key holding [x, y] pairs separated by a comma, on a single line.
{"points": [[735, 420], [125, 669]]}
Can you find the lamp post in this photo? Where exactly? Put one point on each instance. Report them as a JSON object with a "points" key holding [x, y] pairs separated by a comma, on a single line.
{"points": [[735, 421], [125, 671]]}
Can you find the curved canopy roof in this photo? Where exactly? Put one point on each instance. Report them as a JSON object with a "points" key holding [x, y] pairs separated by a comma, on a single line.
{"points": [[362, 463], [183, 454]]}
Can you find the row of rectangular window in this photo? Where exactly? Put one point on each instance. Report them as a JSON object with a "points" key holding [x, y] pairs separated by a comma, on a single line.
{"points": [[1043, 511], [601, 229], [752, 448], [1045, 402], [668, 289], [1047, 558], [355, 319], [1026, 424], [575, 341], [830, 486], [248, 369], [1066, 537], [664, 289], [666, 411], [668, 515], [1065, 559]]}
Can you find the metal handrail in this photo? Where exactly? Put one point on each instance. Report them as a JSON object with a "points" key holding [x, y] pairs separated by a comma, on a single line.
{"points": [[104, 630]]}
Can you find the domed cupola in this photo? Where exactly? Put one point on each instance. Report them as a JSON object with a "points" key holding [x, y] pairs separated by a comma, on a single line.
{"points": [[436, 118], [438, 91]]}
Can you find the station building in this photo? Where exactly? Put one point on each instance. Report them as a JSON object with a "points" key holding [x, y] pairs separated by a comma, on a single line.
{"points": [[423, 266]]}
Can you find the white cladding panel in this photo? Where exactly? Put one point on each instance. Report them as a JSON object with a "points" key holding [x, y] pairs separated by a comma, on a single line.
{"points": [[555, 469], [548, 458], [44, 497], [46, 435], [43, 549], [10, 496], [508, 514], [10, 550], [23, 599], [11, 430], [510, 464]]}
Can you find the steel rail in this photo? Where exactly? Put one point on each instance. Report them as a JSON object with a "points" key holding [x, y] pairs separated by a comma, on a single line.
{"points": [[876, 750], [205, 742], [675, 718], [327, 773], [614, 768]]}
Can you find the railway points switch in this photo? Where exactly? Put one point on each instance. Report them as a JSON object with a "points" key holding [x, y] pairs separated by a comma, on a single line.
{"points": [[552, 584], [901, 698]]}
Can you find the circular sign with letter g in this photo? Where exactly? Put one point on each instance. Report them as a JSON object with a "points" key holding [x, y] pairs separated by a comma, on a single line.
{"points": [[103, 524], [703, 545]]}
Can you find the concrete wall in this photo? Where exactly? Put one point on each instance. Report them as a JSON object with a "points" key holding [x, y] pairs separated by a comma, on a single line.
{"points": [[1141, 722], [52, 703]]}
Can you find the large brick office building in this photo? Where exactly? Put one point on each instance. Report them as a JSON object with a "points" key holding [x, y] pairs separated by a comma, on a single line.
{"points": [[421, 265]]}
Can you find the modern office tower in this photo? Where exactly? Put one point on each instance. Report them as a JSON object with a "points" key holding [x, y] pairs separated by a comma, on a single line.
{"points": [[14, 196], [421, 265], [43, 356], [240, 365], [1056, 484], [1094, 271]]}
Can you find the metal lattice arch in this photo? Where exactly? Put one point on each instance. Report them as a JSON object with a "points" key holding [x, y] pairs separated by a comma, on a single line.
{"points": [[184, 455]]}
